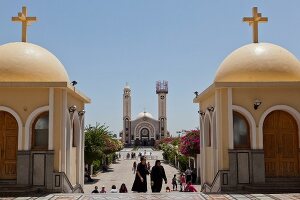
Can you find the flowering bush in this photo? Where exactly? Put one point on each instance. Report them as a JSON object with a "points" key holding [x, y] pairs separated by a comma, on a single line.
{"points": [[190, 143], [169, 140]]}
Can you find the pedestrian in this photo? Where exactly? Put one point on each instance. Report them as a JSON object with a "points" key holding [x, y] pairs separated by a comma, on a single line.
{"points": [[103, 189], [134, 167], [95, 190], [113, 189], [174, 182], [148, 166], [188, 173], [87, 175], [190, 188], [140, 181], [157, 176], [182, 182], [194, 175], [123, 188]]}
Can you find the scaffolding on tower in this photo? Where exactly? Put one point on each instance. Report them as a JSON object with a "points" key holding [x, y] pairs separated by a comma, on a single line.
{"points": [[162, 87]]}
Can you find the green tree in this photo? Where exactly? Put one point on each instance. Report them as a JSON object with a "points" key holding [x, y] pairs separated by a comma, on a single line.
{"points": [[94, 142]]}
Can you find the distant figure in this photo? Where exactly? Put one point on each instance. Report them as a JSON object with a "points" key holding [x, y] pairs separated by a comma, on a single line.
{"points": [[194, 175], [140, 181], [174, 182], [128, 155], [188, 173], [95, 190], [87, 175], [168, 189], [134, 167], [190, 188], [148, 166], [123, 188], [113, 189], [145, 152], [103, 189], [157, 176], [182, 182]]}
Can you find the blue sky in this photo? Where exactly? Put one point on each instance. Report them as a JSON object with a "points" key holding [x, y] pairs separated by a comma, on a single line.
{"points": [[104, 44]]}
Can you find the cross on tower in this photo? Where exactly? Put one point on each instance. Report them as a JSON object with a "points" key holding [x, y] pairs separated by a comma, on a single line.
{"points": [[22, 17], [254, 20]]}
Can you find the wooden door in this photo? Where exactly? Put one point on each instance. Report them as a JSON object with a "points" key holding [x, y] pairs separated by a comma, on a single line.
{"points": [[281, 145], [8, 146]]}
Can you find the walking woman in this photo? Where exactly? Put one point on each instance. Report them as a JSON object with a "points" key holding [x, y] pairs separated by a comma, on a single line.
{"points": [[157, 176], [140, 182]]}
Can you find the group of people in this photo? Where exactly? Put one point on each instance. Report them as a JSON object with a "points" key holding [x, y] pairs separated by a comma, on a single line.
{"points": [[157, 176], [123, 189], [132, 155]]}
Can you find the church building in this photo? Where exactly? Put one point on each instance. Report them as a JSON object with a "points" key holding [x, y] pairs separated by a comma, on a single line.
{"points": [[41, 119], [250, 119], [144, 130]]}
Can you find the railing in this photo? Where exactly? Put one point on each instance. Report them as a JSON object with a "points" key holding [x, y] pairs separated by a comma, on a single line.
{"points": [[64, 185], [206, 187]]}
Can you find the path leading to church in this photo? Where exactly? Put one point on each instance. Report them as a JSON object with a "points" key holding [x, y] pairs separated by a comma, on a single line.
{"points": [[121, 172]]}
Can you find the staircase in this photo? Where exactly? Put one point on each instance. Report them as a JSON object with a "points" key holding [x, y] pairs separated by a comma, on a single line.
{"points": [[275, 185], [13, 190]]}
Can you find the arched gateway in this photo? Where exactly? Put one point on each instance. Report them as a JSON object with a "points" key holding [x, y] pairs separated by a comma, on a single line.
{"points": [[280, 136], [8, 146]]}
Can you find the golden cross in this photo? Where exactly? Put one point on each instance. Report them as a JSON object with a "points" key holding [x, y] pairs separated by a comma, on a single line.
{"points": [[254, 20], [22, 17]]}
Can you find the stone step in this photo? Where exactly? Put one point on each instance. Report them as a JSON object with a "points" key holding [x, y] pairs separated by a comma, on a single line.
{"points": [[273, 187]]}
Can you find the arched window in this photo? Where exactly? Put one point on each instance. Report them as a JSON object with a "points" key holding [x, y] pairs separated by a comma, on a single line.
{"points": [[241, 132], [74, 139], [40, 131], [207, 132]]}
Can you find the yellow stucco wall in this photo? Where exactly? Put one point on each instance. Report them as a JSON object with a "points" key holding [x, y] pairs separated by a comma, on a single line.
{"points": [[24, 102], [73, 166], [223, 129], [208, 164], [57, 128], [268, 96], [75, 101], [209, 101]]}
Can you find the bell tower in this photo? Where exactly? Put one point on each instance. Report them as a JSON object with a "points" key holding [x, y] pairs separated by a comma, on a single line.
{"points": [[162, 91], [126, 136]]}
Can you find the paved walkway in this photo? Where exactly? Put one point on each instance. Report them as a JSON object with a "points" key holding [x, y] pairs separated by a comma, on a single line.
{"points": [[121, 172]]}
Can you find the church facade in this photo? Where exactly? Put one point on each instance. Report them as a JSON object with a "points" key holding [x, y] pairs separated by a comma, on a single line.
{"points": [[250, 121], [145, 130]]}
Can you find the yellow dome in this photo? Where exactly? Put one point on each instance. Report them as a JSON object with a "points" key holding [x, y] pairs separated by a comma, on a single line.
{"points": [[259, 62], [26, 62]]}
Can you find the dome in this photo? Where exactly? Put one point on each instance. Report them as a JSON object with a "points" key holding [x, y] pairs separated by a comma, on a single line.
{"points": [[144, 114], [26, 62], [259, 62]]}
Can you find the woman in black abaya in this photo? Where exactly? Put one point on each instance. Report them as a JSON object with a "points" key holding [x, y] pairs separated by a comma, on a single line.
{"points": [[157, 176], [140, 181]]}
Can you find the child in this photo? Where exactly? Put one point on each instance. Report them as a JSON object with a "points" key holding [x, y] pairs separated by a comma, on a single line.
{"points": [[95, 190], [190, 187], [174, 182], [103, 189], [182, 182], [113, 189], [168, 189]]}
